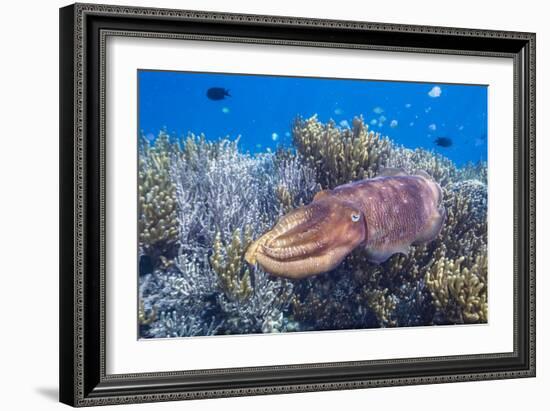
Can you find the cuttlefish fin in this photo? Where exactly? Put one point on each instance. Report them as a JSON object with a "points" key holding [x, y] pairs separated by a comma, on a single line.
{"points": [[391, 172], [380, 255], [433, 227], [423, 173]]}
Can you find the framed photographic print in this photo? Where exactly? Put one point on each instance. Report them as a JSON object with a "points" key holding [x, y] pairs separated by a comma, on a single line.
{"points": [[263, 204]]}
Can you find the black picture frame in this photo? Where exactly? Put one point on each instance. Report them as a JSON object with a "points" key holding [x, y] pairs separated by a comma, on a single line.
{"points": [[83, 29]]}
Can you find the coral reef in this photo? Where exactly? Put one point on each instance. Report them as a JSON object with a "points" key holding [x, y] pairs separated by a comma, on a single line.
{"points": [[382, 304], [228, 264], [459, 293], [201, 202], [218, 192], [440, 168], [340, 155], [157, 214]]}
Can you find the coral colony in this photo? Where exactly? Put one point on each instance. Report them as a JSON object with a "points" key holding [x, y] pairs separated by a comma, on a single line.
{"points": [[238, 243]]}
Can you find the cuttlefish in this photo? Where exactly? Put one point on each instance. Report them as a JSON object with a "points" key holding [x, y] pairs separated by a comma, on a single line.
{"points": [[385, 215]]}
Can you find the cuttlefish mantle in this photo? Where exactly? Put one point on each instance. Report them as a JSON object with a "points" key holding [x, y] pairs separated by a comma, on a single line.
{"points": [[386, 215]]}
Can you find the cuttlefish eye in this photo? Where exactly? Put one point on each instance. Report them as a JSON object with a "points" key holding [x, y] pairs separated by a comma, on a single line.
{"points": [[355, 217]]}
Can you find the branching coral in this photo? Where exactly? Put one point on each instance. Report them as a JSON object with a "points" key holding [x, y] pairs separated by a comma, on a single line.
{"points": [[460, 292], [157, 214], [228, 263], [340, 155], [145, 318], [187, 324], [223, 198], [203, 201], [465, 230], [474, 171], [383, 304], [440, 168], [296, 183]]}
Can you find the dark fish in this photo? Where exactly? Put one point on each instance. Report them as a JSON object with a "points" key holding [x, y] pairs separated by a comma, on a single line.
{"points": [[217, 93], [443, 141]]}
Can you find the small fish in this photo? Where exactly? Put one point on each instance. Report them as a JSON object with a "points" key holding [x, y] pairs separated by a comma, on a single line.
{"points": [[344, 124], [217, 93], [443, 142], [435, 92]]}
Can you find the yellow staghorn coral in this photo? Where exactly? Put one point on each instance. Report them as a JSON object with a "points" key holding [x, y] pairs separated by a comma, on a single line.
{"points": [[145, 318], [459, 292], [285, 197], [382, 305], [228, 263], [340, 155], [194, 150], [157, 220]]}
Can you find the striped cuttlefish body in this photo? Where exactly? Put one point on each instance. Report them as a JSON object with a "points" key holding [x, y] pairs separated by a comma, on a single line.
{"points": [[386, 215]]}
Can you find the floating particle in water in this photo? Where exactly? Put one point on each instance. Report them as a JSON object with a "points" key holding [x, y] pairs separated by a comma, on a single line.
{"points": [[461, 128], [428, 109], [435, 92], [373, 122], [381, 119], [338, 111], [225, 110], [408, 105], [258, 145], [274, 136], [268, 150], [378, 110], [411, 123], [432, 127], [443, 142], [393, 123], [217, 93], [344, 123], [287, 134]]}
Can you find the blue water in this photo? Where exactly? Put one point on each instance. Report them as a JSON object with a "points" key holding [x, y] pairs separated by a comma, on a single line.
{"points": [[261, 109]]}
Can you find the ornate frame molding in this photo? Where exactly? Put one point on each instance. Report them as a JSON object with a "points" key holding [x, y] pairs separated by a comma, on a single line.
{"points": [[82, 334]]}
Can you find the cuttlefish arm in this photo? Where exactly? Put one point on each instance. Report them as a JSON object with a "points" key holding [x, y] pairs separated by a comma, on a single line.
{"points": [[310, 240]]}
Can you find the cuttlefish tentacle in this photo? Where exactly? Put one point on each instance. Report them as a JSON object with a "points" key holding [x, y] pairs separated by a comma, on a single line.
{"points": [[385, 214], [293, 250], [301, 226]]}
